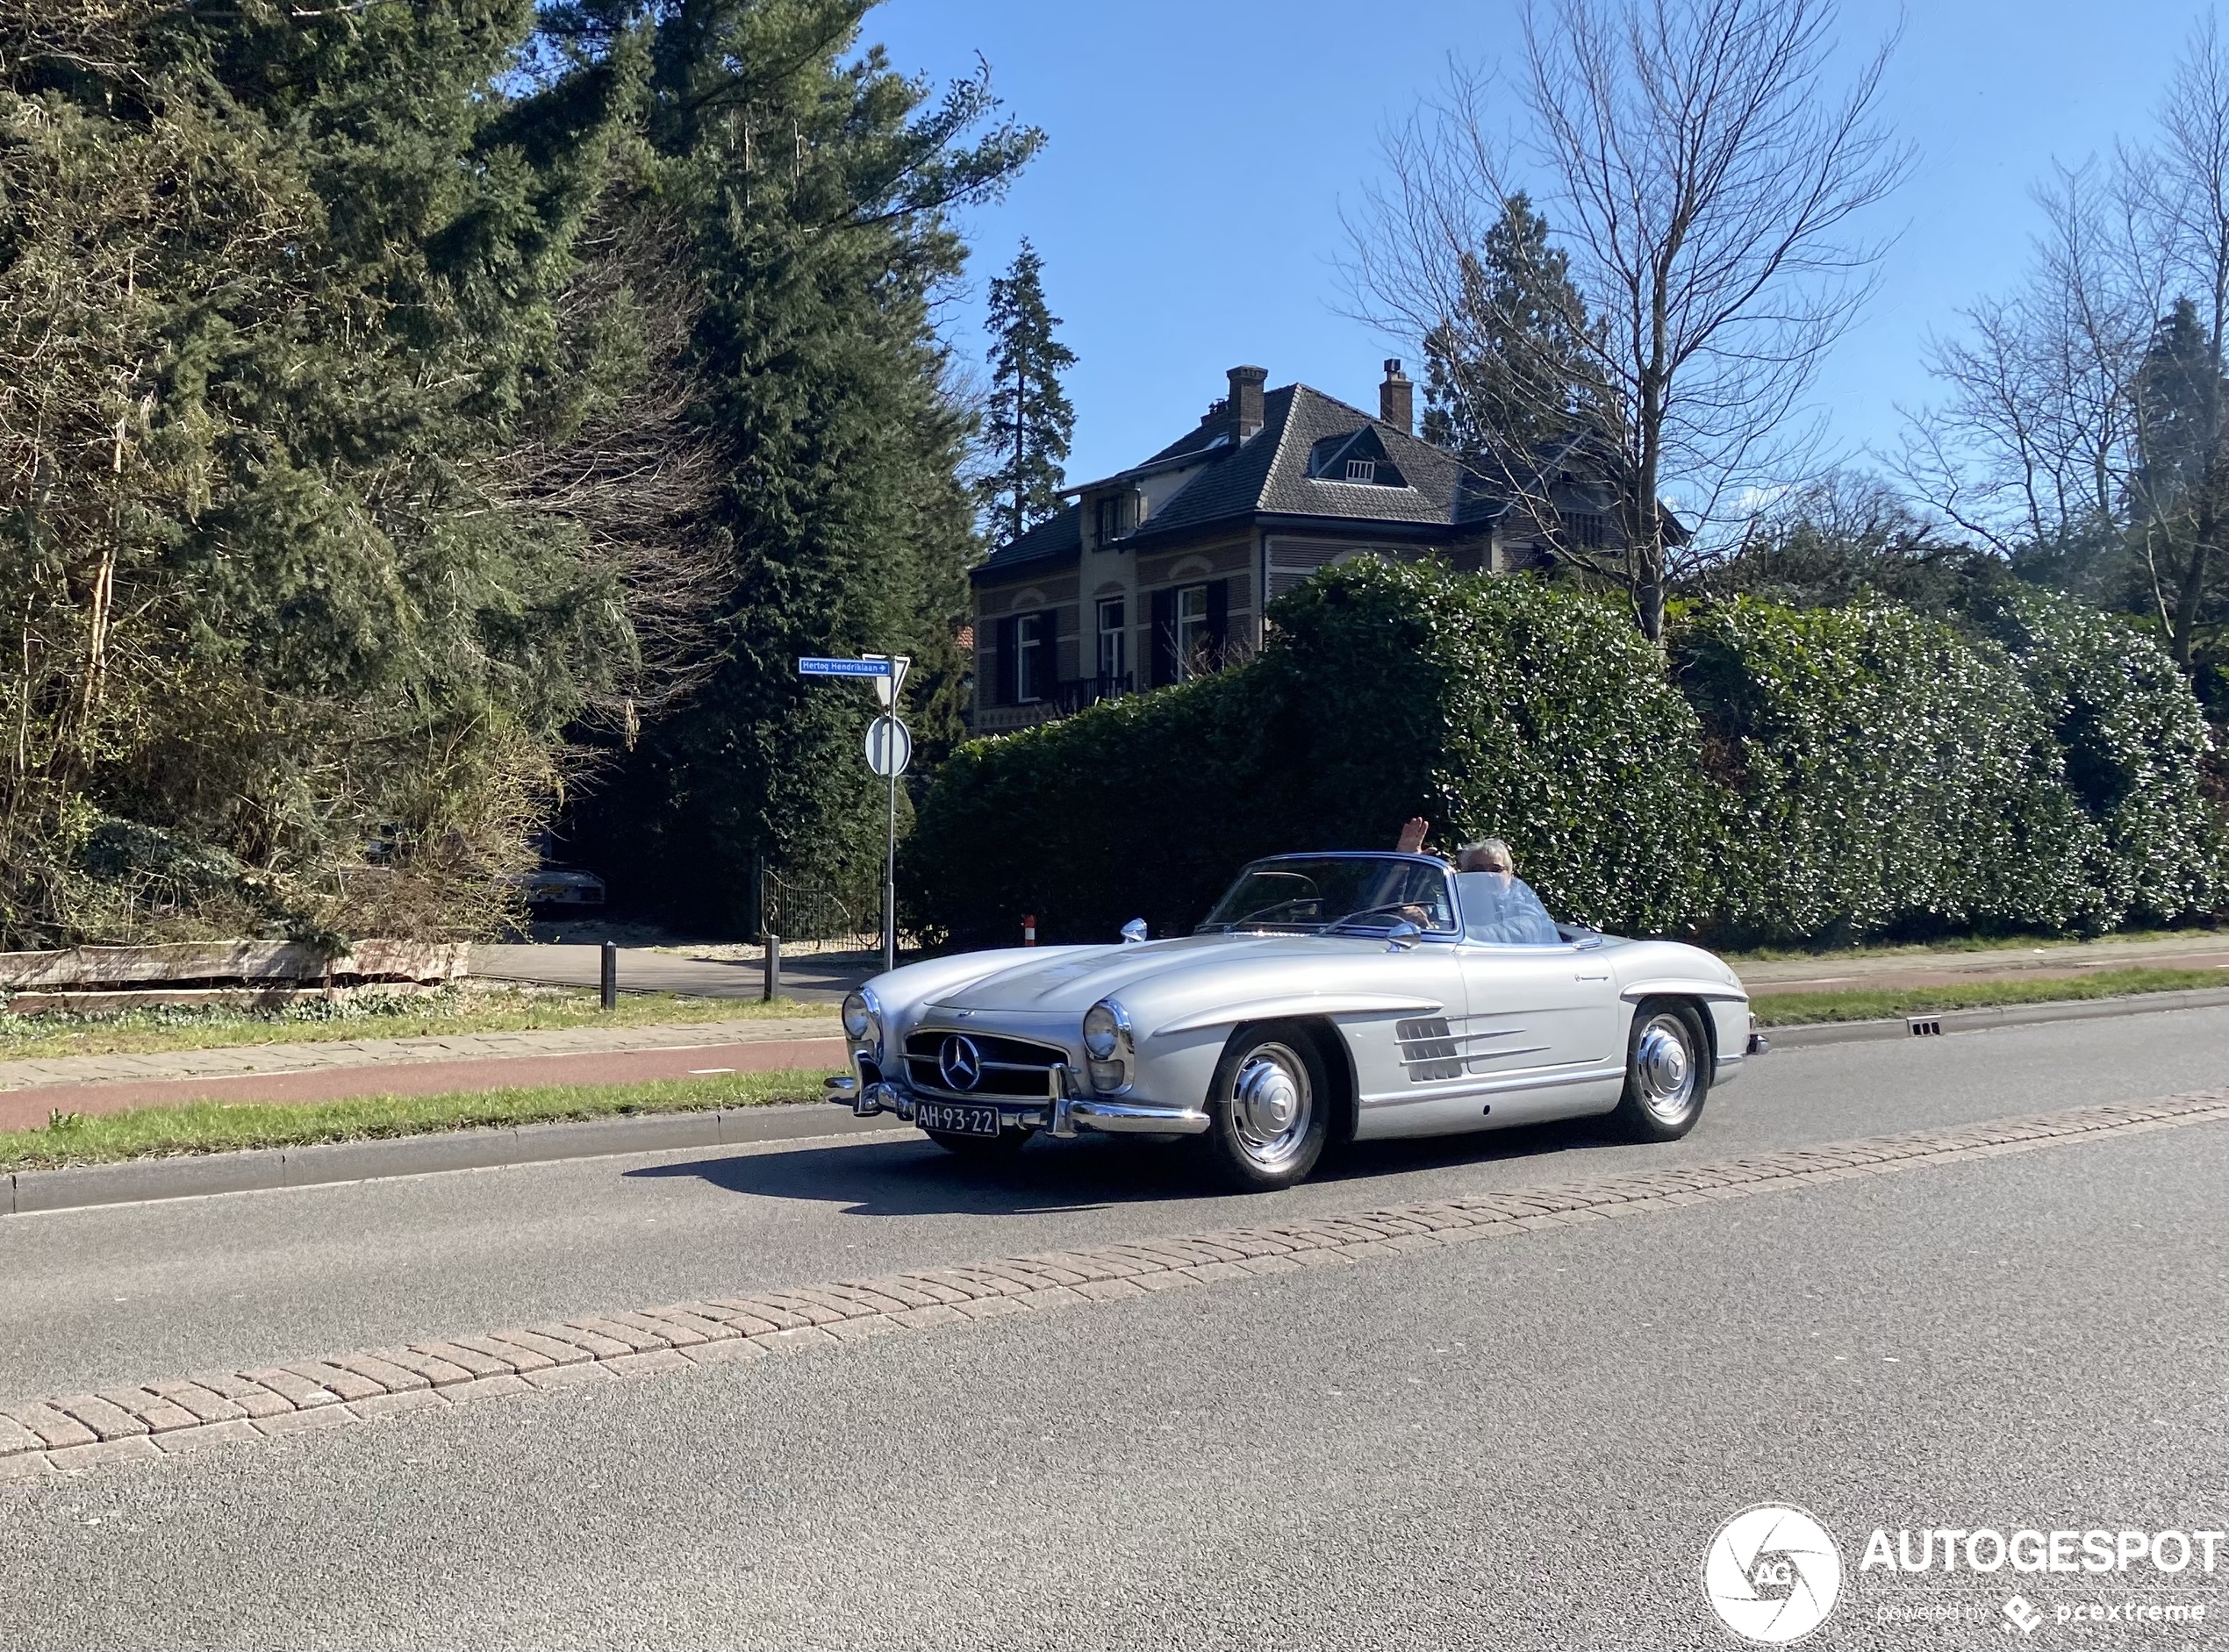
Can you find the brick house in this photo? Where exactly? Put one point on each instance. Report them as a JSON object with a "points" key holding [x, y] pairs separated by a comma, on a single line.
{"points": [[1161, 571]]}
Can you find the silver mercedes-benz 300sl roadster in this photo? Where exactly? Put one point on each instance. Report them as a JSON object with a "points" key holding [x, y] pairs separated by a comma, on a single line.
{"points": [[1327, 999]]}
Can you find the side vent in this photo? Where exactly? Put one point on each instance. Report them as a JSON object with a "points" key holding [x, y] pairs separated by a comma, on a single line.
{"points": [[1924, 1025], [1428, 1050]]}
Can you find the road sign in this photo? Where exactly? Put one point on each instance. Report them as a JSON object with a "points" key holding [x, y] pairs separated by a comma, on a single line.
{"points": [[812, 666], [889, 746], [886, 688], [890, 749]]}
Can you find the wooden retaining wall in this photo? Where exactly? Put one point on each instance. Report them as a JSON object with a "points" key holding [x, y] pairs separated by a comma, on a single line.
{"points": [[233, 973]]}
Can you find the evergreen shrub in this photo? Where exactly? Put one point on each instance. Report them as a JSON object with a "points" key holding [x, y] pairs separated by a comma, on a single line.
{"points": [[1774, 776]]}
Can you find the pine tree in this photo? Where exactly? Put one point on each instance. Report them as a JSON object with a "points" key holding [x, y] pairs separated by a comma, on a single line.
{"points": [[2179, 488], [810, 184], [1031, 421], [1509, 369]]}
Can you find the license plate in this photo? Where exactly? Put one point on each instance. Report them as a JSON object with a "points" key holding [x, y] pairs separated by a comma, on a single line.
{"points": [[957, 1119]]}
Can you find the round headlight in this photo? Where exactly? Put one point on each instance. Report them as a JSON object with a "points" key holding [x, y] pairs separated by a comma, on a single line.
{"points": [[1102, 1032], [858, 1017]]}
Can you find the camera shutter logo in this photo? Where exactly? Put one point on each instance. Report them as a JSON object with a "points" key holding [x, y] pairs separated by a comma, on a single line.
{"points": [[1772, 1574], [960, 1063]]}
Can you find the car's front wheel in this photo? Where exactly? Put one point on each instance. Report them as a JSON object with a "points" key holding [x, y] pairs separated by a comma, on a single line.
{"points": [[1268, 1109], [1667, 1071]]}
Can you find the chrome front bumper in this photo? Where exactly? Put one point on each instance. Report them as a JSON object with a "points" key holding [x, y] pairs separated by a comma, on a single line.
{"points": [[1066, 1115], [1070, 1114]]}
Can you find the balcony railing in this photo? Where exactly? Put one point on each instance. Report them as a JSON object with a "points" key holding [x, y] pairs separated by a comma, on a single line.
{"points": [[1072, 696]]}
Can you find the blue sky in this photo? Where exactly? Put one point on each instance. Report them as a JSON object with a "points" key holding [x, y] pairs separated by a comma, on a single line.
{"points": [[1187, 203]]}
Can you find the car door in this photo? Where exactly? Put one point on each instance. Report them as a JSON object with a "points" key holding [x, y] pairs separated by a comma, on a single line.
{"points": [[1544, 1010], [1409, 1065]]}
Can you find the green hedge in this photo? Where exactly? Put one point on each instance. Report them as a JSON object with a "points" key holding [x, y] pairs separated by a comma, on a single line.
{"points": [[1777, 776], [1877, 773]]}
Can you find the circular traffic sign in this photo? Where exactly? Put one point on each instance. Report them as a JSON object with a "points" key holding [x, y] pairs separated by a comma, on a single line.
{"points": [[889, 746]]}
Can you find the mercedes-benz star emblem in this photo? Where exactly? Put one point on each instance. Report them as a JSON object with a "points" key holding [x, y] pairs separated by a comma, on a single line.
{"points": [[960, 1063]]}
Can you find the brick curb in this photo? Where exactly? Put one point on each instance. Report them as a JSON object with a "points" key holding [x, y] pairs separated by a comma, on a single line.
{"points": [[196, 1175], [153, 1419]]}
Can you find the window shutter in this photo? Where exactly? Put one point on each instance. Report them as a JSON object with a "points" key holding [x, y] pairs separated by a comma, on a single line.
{"points": [[1048, 655], [1218, 621], [1164, 638], [1003, 688]]}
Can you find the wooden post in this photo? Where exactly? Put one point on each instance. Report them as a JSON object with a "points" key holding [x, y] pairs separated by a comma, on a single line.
{"points": [[773, 967], [611, 975]]}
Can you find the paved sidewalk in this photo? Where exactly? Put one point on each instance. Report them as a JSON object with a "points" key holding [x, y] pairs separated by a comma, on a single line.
{"points": [[831, 976], [818, 976], [237, 1060], [1830, 972], [26, 1109]]}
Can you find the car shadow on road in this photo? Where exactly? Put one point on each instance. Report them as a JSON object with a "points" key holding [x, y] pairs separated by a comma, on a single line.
{"points": [[919, 1178]]}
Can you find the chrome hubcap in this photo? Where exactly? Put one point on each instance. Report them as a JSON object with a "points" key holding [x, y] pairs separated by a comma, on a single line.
{"points": [[1271, 1105], [1664, 1067]]}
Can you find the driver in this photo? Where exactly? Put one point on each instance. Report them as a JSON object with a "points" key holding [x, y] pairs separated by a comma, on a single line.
{"points": [[1485, 855], [1497, 906]]}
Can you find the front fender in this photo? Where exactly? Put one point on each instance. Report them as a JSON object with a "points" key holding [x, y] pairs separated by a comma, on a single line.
{"points": [[1683, 987], [1288, 1006]]}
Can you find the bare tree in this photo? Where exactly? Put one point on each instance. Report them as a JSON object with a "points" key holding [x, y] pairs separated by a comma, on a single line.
{"points": [[2067, 398], [1702, 168]]}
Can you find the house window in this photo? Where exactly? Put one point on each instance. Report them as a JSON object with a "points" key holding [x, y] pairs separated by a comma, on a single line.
{"points": [[1193, 636], [1362, 471], [1586, 529], [1112, 515], [1114, 645], [1030, 647]]}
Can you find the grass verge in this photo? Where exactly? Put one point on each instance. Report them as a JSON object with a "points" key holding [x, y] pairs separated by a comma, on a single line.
{"points": [[1881, 1004], [216, 1126], [2207, 936], [470, 1009]]}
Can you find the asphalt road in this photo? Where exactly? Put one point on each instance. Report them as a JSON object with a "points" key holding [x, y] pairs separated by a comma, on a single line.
{"points": [[1509, 1445]]}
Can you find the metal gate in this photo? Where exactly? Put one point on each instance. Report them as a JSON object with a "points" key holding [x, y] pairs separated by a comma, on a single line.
{"points": [[846, 913]]}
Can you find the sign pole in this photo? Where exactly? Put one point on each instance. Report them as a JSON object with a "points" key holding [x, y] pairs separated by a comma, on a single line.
{"points": [[890, 747], [890, 879], [887, 689]]}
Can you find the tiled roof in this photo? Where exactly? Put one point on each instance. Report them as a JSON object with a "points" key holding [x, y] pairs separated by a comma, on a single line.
{"points": [[1269, 475], [1057, 536]]}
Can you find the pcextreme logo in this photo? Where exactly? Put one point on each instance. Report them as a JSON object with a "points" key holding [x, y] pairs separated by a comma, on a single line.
{"points": [[1772, 1574]]}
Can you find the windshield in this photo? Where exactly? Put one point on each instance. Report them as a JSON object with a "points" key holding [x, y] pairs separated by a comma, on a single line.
{"points": [[1303, 895]]}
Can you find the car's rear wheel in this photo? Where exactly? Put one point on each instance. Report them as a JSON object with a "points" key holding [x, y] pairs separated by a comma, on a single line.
{"points": [[1667, 1071], [1004, 1145], [1269, 1109]]}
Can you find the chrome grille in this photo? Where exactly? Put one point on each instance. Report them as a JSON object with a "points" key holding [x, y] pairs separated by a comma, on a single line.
{"points": [[1008, 1067]]}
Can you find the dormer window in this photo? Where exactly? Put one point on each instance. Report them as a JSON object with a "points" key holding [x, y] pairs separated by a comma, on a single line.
{"points": [[1114, 515], [1358, 456]]}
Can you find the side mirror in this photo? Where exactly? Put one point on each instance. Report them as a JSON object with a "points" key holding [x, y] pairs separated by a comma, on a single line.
{"points": [[1134, 932], [1402, 936]]}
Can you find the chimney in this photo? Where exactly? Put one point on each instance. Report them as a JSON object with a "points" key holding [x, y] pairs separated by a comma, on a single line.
{"points": [[1397, 399], [1246, 400]]}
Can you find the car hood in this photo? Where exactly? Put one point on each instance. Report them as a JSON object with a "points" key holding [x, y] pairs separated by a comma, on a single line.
{"points": [[1077, 977]]}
